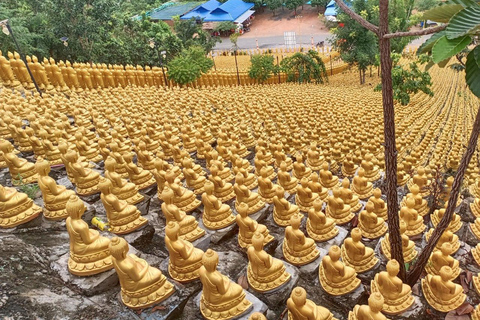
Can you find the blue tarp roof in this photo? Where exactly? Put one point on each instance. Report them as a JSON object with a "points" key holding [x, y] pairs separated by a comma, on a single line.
{"points": [[202, 10], [332, 9]]}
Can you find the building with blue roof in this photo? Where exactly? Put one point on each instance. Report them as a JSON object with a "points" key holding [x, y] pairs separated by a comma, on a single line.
{"points": [[202, 10], [235, 11]]}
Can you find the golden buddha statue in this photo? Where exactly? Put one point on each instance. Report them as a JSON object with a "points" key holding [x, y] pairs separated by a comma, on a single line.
{"points": [[335, 277], [440, 258], [421, 204], [447, 236], [184, 199], [319, 226], [372, 311], [282, 209], [141, 178], [327, 179], [123, 189], [189, 229], [264, 273], [379, 205], [421, 180], [402, 176], [216, 215], [224, 191], [348, 166], [414, 221], [304, 197], [259, 164], [316, 187], [476, 313], [337, 209], [193, 179], [355, 254], [244, 195], [263, 154], [89, 252], [142, 285], [441, 293], [257, 316], [408, 246], [122, 217], [372, 172], [314, 158], [184, 259], [455, 224], [250, 180], [221, 299], [266, 189], [86, 148], [145, 158], [301, 308], [298, 249], [285, 180], [247, 227], [348, 197], [85, 179], [280, 157], [398, 295], [55, 196], [475, 207], [371, 225], [21, 171], [475, 228], [16, 208], [361, 186]]}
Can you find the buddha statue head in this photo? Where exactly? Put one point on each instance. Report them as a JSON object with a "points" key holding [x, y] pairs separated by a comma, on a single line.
{"points": [[414, 189], [375, 302], [325, 166], [336, 192], [170, 176], [257, 316], [296, 220], [317, 204], [210, 260], [214, 170], [187, 163], [258, 241], [128, 157], [264, 172], [75, 207], [279, 192], [410, 202], [346, 183], [393, 268], [242, 209], [42, 167], [299, 296], [71, 156], [421, 171], [334, 253], [314, 177], [368, 157], [105, 186], [209, 187], [5, 146], [239, 179], [356, 234], [450, 181], [370, 206], [168, 195], [446, 273], [446, 248], [283, 166], [304, 182], [118, 248], [171, 230], [361, 172], [377, 193], [299, 157]]}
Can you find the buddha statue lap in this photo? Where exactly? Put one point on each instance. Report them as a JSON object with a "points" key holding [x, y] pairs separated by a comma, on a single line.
{"points": [[298, 249], [216, 215], [184, 199], [282, 209], [301, 308], [142, 285], [121, 188], [440, 258], [320, 227], [408, 246], [336, 278], [16, 208], [372, 311], [304, 197], [287, 182], [337, 209], [244, 195], [89, 251], [316, 187], [414, 221], [266, 189], [441, 293], [371, 225], [356, 255], [327, 179], [143, 179], [361, 186]]}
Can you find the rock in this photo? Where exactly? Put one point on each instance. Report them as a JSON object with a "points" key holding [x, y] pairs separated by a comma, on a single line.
{"points": [[91, 198], [89, 213], [141, 237], [90, 285], [64, 181], [144, 205], [338, 240], [348, 300], [98, 207], [231, 264], [368, 276], [219, 235], [150, 191], [418, 311]]}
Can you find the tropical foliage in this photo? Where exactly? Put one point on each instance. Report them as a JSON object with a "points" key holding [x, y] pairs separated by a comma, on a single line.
{"points": [[189, 65], [305, 67], [262, 67]]}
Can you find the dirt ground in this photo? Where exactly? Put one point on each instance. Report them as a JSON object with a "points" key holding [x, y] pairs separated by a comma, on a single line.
{"points": [[266, 24]]}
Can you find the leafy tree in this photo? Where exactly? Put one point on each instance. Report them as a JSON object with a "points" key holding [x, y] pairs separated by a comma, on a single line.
{"points": [[262, 67], [304, 67], [320, 3], [423, 5], [225, 26], [274, 5], [189, 65], [191, 33], [258, 3], [293, 5]]}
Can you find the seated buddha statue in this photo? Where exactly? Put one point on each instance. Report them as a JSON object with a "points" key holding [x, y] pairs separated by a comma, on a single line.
{"points": [[300, 171], [244, 195], [250, 180], [184, 199], [448, 190], [216, 215], [421, 204], [184, 259], [193, 179], [475, 207], [266, 189], [455, 224], [402, 176], [314, 158], [335, 277], [298, 249], [372, 311], [239, 162], [379, 205], [355, 254], [280, 157], [319, 226], [221, 298], [282, 209], [159, 162], [259, 164], [300, 308], [361, 186], [141, 178], [447, 236], [123, 189], [304, 197], [16, 208], [348, 197], [142, 285], [223, 171], [327, 179], [337, 209], [348, 166], [189, 229], [20, 169], [372, 172], [316, 187], [263, 154], [397, 295], [264, 273], [287, 182], [441, 292], [408, 246], [188, 162], [371, 225], [86, 148], [89, 252], [55, 196], [85, 179], [440, 258], [122, 217], [421, 180], [144, 157], [414, 221], [247, 227], [475, 227]]}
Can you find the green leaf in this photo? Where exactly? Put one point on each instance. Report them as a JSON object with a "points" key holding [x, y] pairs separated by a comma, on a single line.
{"points": [[443, 13], [472, 72], [443, 63], [466, 21], [464, 3], [477, 56], [430, 42], [445, 48]]}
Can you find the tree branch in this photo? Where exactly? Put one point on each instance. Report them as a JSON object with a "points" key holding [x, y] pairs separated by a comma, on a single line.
{"points": [[415, 33], [357, 17]]}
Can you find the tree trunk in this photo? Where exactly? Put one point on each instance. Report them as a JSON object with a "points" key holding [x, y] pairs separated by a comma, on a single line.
{"points": [[371, 71], [422, 260], [360, 75], [390, 148], [363, 76]]}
